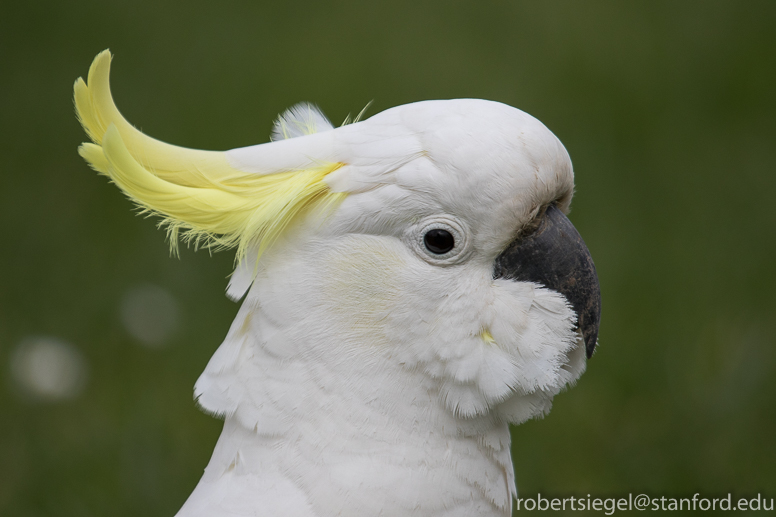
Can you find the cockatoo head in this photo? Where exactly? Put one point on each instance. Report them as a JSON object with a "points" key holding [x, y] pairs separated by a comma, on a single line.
{"points": [[451, 254], [431, 237]]}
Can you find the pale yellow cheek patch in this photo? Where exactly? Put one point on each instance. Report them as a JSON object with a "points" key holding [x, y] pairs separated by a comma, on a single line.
{"points": [[362, 279]]}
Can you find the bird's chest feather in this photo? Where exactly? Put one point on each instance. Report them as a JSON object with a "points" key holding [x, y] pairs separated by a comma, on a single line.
{"points": [[347, 381]]}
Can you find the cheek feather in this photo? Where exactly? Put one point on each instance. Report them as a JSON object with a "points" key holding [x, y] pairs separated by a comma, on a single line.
{"points": [[360, 285]]}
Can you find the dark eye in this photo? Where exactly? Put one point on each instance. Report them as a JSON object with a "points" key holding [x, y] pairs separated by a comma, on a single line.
{"points": [[439, 241]]}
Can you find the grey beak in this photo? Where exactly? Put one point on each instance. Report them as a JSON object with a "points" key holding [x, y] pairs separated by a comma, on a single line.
{"points": [[555, 256]]}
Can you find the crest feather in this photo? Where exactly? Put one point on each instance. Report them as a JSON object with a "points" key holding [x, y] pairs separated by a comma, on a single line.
{"points": [[300, 120], [199, 195]]}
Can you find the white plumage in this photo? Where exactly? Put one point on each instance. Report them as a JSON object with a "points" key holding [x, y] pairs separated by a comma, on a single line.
{"points": [[365, 375], [355, 375]]}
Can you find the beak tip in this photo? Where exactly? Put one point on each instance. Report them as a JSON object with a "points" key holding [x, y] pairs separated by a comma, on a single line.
{"points": [[590, 319], [590, 343]]}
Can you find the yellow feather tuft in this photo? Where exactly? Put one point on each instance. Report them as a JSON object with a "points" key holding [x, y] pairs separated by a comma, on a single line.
{"points": [[96, 111], [94, 156], [200, 197], [487, 337]]}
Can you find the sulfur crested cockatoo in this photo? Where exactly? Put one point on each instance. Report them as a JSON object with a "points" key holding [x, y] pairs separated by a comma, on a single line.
{"points": [[411, 286]]}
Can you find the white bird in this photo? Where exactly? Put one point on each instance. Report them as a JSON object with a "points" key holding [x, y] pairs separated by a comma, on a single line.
{"points": [[411, 286]]}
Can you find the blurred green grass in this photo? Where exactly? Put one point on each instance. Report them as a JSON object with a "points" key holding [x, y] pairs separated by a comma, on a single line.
{"points": [[669, 114]]}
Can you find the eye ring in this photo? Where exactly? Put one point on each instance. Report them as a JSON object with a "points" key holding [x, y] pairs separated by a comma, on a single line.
{"points": [[440, 240]]}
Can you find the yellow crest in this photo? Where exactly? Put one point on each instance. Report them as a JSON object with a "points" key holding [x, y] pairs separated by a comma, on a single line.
{"points": [[198, 194]]}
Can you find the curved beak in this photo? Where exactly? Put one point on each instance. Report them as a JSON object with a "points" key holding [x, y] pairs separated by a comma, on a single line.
{"points": [[555, 256]]}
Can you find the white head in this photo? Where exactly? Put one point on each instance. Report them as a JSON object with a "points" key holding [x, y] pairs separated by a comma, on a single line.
{"points": [[420, 254]]}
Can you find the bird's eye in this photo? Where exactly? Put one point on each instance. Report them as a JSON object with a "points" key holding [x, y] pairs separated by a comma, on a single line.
{"points": [[439, 241]]}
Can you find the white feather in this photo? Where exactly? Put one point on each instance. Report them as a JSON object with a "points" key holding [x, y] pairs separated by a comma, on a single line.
{"points": [[300, 120], [355, 379]]}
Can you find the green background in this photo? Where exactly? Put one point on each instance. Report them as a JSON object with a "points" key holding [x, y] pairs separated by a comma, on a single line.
{"points": [[667, 108]]}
